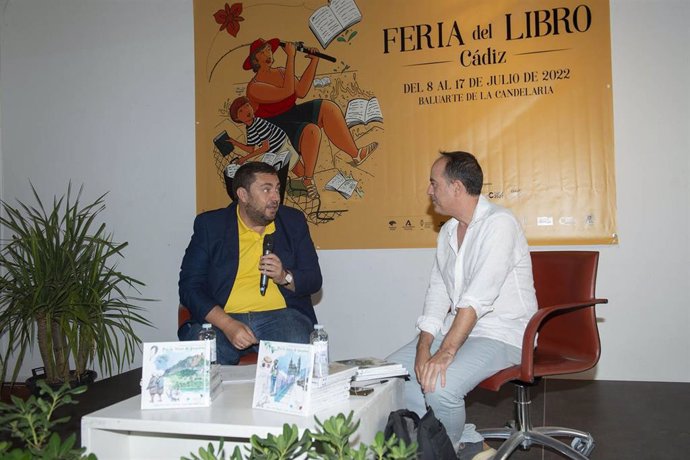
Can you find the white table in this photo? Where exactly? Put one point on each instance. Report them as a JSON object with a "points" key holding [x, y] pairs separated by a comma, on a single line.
{"points": [[124, 431]]}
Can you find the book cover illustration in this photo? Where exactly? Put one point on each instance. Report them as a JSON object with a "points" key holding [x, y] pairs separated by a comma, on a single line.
{"points": [[283, 377], [361, 112], [176, 374], [331, 20]]}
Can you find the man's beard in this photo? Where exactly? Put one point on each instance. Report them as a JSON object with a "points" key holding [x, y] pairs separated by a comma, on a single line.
{"points": [[258, 217]]}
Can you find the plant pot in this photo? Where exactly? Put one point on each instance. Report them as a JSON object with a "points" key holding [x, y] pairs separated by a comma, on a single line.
{"points": [[87, 378], [10, 389]]}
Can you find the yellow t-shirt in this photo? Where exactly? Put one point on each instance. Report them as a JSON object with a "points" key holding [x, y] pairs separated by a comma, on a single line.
{"points": [[244, 296]]}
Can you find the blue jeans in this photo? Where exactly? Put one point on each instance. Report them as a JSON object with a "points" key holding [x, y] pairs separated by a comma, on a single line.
{"points": [[284, 325], [477, 359]]}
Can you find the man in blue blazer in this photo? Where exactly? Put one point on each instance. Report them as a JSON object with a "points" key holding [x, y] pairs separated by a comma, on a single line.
{"points": [[220, 287]]}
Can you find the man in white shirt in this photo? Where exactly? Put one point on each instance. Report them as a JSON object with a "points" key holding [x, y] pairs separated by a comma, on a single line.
{"points": [[479, 300]]}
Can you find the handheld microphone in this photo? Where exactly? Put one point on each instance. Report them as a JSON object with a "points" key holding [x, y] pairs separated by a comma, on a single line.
{"points": [[268, 248], [300, 47]]}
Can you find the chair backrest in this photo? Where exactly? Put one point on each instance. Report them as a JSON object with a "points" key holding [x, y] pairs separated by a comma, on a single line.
{"points": [[183, 315], [562, 277]]}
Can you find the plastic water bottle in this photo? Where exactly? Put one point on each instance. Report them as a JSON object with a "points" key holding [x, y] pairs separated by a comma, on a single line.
{"points": [[319, 338], [207, 333]]}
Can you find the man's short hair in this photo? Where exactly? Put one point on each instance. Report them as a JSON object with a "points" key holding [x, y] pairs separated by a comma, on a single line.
{"points": [[246, 174], [235, 107], [464, 167]]}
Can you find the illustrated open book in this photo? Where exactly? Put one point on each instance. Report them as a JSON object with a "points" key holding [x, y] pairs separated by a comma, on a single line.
{"points": [[362, 112], [342, 184], [231, 169], [331, 20], [277, 160]]}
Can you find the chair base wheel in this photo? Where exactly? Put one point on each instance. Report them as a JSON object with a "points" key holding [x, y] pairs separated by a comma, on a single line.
{"points": [[583, 445]]}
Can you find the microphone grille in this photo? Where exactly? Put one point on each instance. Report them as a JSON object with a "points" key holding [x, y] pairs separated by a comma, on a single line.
{"points": [[268, 242]]}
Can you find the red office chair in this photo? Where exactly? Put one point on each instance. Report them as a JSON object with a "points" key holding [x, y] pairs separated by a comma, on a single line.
{"points": [[183, 315], [568, 342]]}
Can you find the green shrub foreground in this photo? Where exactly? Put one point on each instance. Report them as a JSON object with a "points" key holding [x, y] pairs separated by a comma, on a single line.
{"points": [[30, 423]]}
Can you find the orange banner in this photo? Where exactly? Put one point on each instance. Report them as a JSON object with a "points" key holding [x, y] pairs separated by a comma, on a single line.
{"points": [[525, 85]]}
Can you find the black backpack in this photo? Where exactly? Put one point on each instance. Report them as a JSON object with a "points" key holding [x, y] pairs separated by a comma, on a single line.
{"points": [[428, 432]]}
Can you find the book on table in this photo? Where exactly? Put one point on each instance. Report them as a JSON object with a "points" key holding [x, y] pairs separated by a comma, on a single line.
{"points": [[375, 368], [332, 389], [338, 373], [283, 377], [285, 383], [178, 374]]}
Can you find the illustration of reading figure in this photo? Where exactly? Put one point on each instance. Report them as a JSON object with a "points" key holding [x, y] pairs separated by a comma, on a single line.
{"points": [[274, 376], [156, 386], [274, 92], [264, 136]]}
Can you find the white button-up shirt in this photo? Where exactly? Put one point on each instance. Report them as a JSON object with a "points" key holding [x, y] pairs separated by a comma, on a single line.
{"points": [[491, 272]]}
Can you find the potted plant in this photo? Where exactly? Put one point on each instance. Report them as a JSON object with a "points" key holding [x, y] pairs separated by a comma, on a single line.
{"points": [[60, 289]]}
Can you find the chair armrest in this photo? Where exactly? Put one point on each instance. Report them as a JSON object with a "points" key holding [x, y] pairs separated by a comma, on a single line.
{"points": [[533, 326]]}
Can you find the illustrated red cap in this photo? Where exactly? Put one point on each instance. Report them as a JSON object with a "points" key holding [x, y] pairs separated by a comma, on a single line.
{"points": [[257, 44]]}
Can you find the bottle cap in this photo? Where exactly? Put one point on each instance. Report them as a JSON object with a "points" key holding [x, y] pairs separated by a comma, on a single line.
{"points": [[206, 326], [318, 326]]}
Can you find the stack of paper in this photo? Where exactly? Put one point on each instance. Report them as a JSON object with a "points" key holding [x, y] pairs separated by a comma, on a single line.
{"points": [[216, 381], [375, 368], [333, 388]]}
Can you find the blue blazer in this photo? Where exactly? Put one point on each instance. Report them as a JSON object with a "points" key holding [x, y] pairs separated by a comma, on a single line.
{"points": [[209, 266]]}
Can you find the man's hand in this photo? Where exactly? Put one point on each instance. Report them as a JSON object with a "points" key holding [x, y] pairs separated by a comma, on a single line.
{"points": [[433, 368], [271, 266], [239, 335], [422, 357]]}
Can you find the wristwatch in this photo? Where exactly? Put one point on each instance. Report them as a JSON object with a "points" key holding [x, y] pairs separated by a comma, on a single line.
{"points": [[288, 279]]}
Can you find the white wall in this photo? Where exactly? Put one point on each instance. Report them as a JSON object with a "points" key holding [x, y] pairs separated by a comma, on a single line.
{"points": [[102, 93]]}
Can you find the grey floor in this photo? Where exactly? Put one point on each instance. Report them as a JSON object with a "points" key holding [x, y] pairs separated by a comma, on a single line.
{"points": [[629, 420]]}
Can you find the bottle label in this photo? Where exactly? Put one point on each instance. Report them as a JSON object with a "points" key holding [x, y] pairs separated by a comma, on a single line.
{"points": [[213, 350], [320, 362]]}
